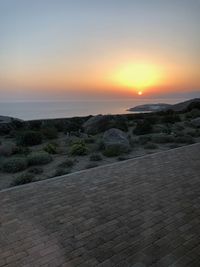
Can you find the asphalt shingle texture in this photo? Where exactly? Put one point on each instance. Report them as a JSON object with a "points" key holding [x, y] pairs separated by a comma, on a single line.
{"points": [[136, 213]]}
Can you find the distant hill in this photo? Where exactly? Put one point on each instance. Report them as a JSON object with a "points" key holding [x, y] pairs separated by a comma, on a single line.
{"points": [[7, 119], [184, 105], [162, 106], [151, 107], [8, 123]]}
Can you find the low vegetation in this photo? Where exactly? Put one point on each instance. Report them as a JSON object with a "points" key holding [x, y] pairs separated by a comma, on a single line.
{"points": [[42, 149], [24, 178], [112, 151], [78, 149], [95, 157], [29, 138], [15, 164], [39, 158]]}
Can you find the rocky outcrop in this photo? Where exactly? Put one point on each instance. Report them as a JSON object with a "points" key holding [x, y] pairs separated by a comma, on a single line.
{"points": [[116, 138], [97, 124]]}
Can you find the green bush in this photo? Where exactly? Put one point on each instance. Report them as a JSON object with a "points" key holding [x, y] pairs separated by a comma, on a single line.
{"points": [[150, 146], [24, 178], [143, 127], [13, 165], [77, 141], [29, 138], [39, 158], [50, 132], [68, 163], [112, 151], [95, 157], [78, 149], [50, 148]]}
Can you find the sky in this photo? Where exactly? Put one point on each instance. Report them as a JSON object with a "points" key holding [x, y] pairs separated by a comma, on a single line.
{"points": [[82, 49]]}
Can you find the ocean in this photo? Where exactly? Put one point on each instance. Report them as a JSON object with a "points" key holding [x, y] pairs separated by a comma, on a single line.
{"points": [[50, 110]]}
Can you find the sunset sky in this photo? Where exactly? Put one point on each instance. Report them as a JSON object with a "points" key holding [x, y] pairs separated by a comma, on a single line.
{"points": [[82, 49]]}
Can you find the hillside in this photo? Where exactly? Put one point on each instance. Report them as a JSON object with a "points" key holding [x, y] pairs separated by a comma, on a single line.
{"points": [[163, 106]]}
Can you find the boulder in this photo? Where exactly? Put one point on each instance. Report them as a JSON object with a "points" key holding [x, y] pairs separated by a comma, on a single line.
{"points": [[196, 122], [116, 138], [97, 124]]}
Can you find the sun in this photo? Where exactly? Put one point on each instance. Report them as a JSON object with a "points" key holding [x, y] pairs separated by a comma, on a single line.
{"points": [[137, 76]]}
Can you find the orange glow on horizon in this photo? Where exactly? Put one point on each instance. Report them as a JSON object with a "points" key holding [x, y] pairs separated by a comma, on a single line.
{"points": [[137, 76]]}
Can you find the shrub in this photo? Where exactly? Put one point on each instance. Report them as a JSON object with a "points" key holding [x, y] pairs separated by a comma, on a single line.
{"points": [[144, 127], [23, 179], [77, 141], [95, 157], [150, 146], [91, 165], [161, 128], [50, 132], [35, 170], [35, 125], [173, 146], [13, 165], [144, 139], [194, 133], [22, 150], [50, 148], [162, 138], [73, 125], [112, 151], [121, 158], [153, 118], [185, 139], [60, 172], [120, 122], [59, 125], [29, 138], [78, 150], [194, 113], [89, 140], [39, 158], [171, 118], [100, 145], [68, 163]]}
